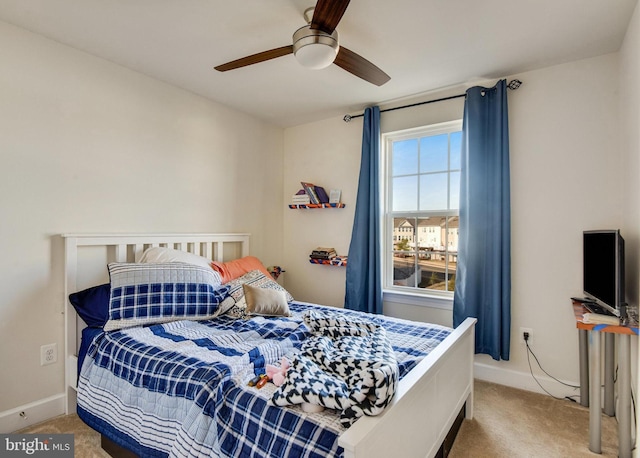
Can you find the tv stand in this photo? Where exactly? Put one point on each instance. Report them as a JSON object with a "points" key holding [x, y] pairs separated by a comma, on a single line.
{"points": [[589, 335]]}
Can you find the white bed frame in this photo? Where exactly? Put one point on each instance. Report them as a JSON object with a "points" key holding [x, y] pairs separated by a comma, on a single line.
{"points": [[428, 399]]}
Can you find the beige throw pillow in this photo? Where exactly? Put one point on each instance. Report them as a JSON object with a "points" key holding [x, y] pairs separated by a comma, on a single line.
{"points": [[265, 301]]}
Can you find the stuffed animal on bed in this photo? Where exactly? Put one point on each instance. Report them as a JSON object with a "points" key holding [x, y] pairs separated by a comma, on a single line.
{"points": [[277, 373]]}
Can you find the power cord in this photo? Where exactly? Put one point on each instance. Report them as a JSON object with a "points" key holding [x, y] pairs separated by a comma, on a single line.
{"points": [[569, 398], [633, 403], [530, 351]]}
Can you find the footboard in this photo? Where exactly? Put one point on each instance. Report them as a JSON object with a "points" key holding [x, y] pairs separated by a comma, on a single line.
{"points": [[426, 404]]}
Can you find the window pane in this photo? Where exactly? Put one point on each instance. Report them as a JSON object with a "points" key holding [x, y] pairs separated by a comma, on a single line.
{"points": [[433, 191], [404, 269], [433, 153], [454, 190], [429, 233], [405, 157], [437, 241], [403, 232], [405, 194], [452, 251], [456, 148]]}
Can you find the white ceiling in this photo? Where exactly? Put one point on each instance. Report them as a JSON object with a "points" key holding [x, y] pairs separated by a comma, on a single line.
{"points": [[423, 45]]}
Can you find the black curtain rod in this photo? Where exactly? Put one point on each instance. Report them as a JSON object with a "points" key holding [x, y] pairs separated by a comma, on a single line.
{"points": [[513, 84]]}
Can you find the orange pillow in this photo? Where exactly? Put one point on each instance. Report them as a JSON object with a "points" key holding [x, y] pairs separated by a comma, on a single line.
{"points": [[237, 268]]}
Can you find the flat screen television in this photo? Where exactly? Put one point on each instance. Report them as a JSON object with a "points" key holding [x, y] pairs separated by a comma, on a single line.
{"points": [[603, 264]]}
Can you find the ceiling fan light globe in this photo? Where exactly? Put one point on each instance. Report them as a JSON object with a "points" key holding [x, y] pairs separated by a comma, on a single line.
{"points": [[316, 56], [315, 49]]}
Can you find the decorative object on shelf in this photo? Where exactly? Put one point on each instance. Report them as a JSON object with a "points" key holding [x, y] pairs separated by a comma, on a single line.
{"points": [[334, 196], [275, 271], [310, 206]]}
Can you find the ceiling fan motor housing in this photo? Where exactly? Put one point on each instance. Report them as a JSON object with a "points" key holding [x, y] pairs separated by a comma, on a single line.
{"points": [[314, 48]]}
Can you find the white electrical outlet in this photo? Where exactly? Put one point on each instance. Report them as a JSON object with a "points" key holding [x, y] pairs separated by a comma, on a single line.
{"points": [[521, 336], [48, 354]]}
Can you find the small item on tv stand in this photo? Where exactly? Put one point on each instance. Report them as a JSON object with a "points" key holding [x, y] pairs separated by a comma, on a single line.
{"points": [[596, 309], [632, 315], [582, 300], [624, 318], [597, 318]]}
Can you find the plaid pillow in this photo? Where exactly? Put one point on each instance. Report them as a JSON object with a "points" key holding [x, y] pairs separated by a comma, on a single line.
{"points": [[161, 292]]}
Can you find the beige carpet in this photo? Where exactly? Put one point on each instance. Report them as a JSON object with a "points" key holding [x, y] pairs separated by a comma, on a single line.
{"points": [[515, 423], [507, 423], [86, 440]]}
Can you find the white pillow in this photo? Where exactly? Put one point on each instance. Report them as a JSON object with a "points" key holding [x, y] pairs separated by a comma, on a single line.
{"points": [[161, 254]]}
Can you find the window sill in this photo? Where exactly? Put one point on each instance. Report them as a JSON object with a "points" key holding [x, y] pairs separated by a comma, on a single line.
{"points": [[421, 300]]}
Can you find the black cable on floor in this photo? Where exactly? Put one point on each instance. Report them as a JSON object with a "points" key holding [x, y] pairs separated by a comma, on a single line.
{"points": [[569, 398], [541, 368]]}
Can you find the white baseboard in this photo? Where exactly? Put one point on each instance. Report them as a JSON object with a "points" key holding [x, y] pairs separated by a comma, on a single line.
{"points": [[523, 380], [32, 413]]}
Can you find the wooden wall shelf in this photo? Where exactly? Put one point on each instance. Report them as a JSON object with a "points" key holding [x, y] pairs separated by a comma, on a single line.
{"points": [[326, 262], [312, 206]]}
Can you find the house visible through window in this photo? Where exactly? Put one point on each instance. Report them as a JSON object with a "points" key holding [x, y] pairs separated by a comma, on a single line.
{"points": [[421, 202]]}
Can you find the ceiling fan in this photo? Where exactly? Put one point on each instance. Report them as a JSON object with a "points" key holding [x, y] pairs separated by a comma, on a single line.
{"points": [[316, 46]]}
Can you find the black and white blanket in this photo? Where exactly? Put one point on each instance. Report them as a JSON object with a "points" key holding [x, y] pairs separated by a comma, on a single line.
{"points": [[347, 365]]}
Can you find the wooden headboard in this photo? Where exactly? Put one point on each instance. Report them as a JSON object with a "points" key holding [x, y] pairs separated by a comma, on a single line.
{"points": [[85, 264]]}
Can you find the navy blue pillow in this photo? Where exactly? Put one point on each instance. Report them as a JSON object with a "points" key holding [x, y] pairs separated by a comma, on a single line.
{"points": [[92, 304]]}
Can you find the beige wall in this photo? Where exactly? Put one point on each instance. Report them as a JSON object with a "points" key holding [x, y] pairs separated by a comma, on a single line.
{"points": [[630, 147], [325, 153], [566, 166], [88, 146]]}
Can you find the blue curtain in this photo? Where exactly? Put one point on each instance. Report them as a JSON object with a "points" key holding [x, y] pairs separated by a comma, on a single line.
{"points": [[483, 277], [363, 287]]}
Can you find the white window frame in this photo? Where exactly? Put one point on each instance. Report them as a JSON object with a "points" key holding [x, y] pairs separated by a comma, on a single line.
{"points": [[391, 292]]}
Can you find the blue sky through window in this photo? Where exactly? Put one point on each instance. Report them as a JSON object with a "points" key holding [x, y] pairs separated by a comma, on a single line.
{"points": [[421, 170]]}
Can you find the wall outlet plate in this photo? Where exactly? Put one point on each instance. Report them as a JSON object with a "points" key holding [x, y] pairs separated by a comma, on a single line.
{"points": [[48, 354], [521, 335]]}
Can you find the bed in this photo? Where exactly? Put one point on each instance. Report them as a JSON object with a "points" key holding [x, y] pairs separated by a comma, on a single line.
{"points": [[207, 412]]}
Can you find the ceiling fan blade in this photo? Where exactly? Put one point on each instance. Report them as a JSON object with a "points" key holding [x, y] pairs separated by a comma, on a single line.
{"points": [[327, 14], [255, 58], [361, 67]]}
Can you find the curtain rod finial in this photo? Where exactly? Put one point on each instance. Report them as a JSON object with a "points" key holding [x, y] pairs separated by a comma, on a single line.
{"points": [[514, 84], [347, 118]]}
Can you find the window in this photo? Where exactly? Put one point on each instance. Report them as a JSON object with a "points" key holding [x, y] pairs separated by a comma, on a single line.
{"points": [[421, 169]]}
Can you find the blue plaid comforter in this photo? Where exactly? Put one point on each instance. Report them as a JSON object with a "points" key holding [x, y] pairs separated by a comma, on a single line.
{"points": [[180, 389]]}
